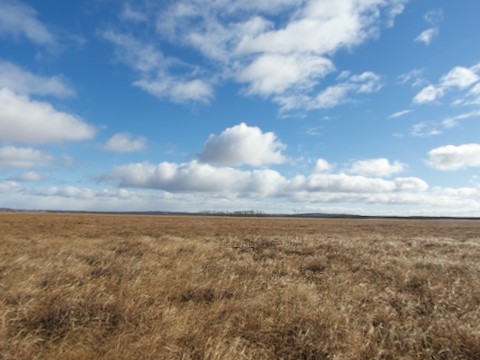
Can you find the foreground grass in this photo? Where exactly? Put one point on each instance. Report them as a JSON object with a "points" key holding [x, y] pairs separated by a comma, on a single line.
{"points": [[139, 287]]}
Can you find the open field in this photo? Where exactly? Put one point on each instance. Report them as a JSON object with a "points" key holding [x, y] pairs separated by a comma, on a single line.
{"points": [[160, 287]]}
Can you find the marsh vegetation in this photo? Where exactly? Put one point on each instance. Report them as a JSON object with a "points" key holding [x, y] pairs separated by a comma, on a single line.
{"points": [[161, 287]]}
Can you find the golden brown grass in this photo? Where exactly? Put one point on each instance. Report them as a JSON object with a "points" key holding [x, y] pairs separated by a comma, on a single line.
{"points": [[159, 287]]}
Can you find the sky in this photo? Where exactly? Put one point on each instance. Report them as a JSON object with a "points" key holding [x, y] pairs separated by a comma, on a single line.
{"points": [[368, 107]]}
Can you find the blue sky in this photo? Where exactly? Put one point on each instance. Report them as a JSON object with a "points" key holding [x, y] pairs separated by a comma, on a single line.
{"points": [[357, 106]]}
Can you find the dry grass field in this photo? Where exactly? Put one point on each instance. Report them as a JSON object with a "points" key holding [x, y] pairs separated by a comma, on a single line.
{"points": [[160, 287]]}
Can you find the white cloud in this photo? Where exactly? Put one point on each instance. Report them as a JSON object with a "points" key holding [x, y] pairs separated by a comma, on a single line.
{"points": [[377, 167], [458, 78], [453, 157], [434, 17], [243, 144], [195, 177], [133, 15], [279, 49], [12, 157], [399, 114], [366, 82], [27, 176], [17, 19], [24, 82], [452, 122], [124, 143], [322, 166], [35, 122], [428, 94], [320, 27], [427, 36], [414, 76], [425, 129], [179, 91], [231, 183], [155, 71], [343, 183], [275, 73], [332, 96]]}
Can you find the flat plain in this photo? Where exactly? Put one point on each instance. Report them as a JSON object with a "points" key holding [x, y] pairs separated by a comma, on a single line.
{"points": [[91, 286]]}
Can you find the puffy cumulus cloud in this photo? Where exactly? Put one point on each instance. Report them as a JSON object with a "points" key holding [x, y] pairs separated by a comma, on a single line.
{"points": [[377, 167], [35, 122], [458, 78], [319, 27], [20, 20], [243, 145], [12, 157], [453, 157], [195, 177], [322, 166], [360, 185], [23, 82], [124, 143], [228, 182], [410, 184]]}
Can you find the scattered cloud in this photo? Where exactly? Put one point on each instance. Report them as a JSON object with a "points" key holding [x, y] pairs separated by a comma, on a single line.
{"points": [[281, 50], [322, 166], [20, 20], [428, 94], [155, 71], [24, 82], [415, 76], [427, 36], [452, 122], [130, 14], [377, 167], [458, 78], [177, 90], [313, 131], [451, 157], [399, 114], [125, 143], [425, 129], [35, 122], [335, 95], [243, 145], [12, 157], [272, 74], [434, 18]]}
